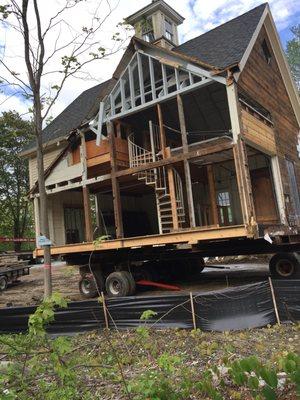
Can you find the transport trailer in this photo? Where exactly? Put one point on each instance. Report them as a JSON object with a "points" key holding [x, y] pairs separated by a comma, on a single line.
{"points": [[116, 266], [12, 273]]}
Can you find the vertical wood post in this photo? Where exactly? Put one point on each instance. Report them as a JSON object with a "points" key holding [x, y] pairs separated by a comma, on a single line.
{"points": [[166, 153], [172, 193], [212, 194], [114, 182], [87, 214], [187, 171], [240, 157]]}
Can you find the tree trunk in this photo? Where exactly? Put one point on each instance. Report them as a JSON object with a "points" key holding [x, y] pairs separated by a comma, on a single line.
{"points": [[44, 222]]}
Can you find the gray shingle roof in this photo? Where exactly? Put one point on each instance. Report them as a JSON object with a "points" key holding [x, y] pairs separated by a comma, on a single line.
{"points": [[225, 44], [73, 115]]}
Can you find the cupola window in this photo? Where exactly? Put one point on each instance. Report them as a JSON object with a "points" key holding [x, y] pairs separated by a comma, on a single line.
{"points": [[169, 29], [147, 30]]}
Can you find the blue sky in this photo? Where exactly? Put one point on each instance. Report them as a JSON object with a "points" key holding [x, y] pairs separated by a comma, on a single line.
{"points": [[200, 16]]}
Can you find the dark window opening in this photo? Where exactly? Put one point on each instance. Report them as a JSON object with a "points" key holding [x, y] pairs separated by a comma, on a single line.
{"points": [[147, 30], [169, 30], [266, 51]]}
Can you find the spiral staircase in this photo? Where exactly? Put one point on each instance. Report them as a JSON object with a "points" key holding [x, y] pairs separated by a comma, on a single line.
{"points": [[157, 179]]}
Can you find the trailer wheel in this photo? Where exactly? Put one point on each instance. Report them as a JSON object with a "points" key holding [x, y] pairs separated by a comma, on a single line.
{"points": [[285, 266], [3, 283], [131, 281], [117, 284], [87, 286], [194, 267]]}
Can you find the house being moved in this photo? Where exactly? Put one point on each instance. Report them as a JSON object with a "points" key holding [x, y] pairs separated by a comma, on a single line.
{"points": [[191, 147]]}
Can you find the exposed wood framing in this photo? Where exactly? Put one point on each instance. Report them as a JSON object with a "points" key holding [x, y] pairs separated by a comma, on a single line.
{"points": [[166, 154], [185, 236], [187, 171], [240, 156], [212, 194], [114, 182], [172, 192], [83, 155], [130, 171], [278, 189], [87, 214]]}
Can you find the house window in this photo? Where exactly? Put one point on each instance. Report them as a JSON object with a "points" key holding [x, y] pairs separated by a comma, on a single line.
{"points": [[266, 51], [225, 210], [169, 29], [147, 30]]}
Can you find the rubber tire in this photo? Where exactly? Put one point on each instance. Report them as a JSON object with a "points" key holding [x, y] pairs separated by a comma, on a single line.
{"points": [[120, 278], [3, 283], [292, 258], [97, 272], [193, 267], [131, 282], [89, 292]]}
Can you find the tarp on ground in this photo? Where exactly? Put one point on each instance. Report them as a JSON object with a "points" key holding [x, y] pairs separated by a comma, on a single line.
{"points": [[236, 308]]}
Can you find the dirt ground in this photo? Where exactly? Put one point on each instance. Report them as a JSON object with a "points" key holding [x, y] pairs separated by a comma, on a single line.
{"points": [[29, 290]]}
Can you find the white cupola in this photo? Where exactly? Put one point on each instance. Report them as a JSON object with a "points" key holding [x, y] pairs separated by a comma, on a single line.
{"points": [[157, 23]]}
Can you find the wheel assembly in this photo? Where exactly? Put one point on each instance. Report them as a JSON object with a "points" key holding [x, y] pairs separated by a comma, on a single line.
{"points": [[285, 266], [118, 284], [87, 286], [3, 283]]}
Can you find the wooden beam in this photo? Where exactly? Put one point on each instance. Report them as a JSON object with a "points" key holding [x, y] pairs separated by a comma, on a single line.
{"points": [[87, 214], [141, 77], [161, 131], [152, 78], [185, 236], [212, 195], [187, 171], [114, 182]]}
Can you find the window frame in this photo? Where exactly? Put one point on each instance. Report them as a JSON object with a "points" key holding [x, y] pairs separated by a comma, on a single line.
{"points": [[169, 33]]}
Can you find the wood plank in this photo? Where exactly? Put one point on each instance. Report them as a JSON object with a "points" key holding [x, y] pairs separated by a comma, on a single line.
{"points": [[191, 236], [212, 194]]}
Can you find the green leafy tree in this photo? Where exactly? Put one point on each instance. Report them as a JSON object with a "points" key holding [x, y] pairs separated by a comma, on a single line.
{"points": [[293, 54], [15, 215]]}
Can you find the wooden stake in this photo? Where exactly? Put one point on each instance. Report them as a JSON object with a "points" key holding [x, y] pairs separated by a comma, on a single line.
{"points": [[105, 311], [193, 311], [274, 301]]}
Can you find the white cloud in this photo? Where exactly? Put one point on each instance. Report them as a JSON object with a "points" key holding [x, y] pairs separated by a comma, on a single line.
{"points": [[200, 16]]}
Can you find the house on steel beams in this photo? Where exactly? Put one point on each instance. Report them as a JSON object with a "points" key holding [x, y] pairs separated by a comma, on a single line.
{"points": [[189, 145]]}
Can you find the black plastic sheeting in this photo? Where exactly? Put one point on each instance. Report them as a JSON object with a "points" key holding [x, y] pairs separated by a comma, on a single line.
{"points": [[237, 308]]}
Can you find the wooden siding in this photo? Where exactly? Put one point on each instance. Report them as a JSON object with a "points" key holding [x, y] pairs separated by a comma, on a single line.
{"points": [[101, 154], [49, 157], [56, 205], [257, 132], [264, 83]]}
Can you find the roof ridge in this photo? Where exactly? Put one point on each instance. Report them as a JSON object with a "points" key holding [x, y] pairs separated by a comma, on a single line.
{"points": [[224, 23]]}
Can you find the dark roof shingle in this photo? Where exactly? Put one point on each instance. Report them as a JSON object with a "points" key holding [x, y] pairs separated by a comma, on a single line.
{"points": [[74, 115], [226, 44]]}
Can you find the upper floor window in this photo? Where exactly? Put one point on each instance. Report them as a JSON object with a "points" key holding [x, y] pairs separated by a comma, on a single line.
{"points": [[169, 30], [147, 30], [266, 51]]}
